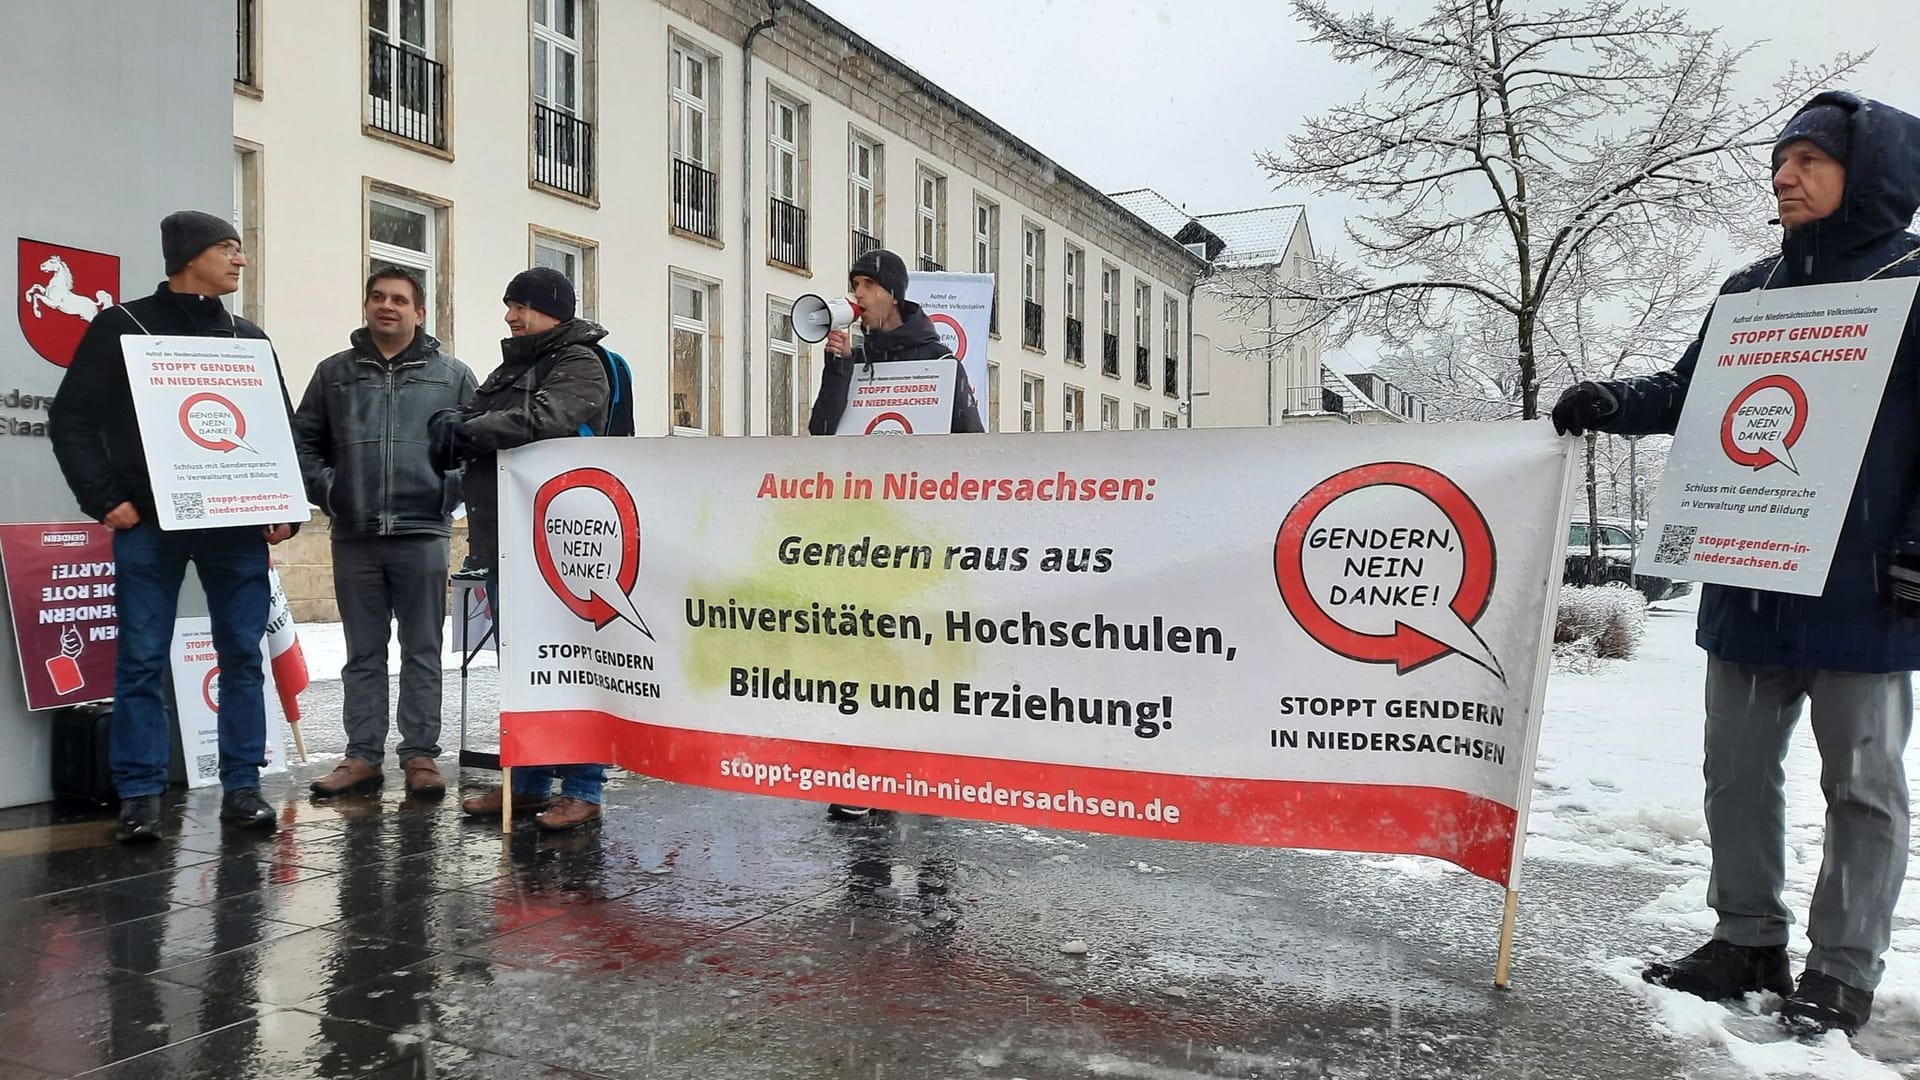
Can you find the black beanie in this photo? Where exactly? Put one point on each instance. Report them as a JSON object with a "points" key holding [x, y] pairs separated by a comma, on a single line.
{"points": [[184, 234], [544, 290], [884, 267], [1822, 123]]}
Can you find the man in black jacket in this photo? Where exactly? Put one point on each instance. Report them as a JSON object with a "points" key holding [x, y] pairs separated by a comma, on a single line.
{"points": [[552, 383], [96, 439], [893, 329], [362, 433]]}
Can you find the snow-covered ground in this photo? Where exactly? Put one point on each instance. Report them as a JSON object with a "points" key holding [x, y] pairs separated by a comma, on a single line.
{"points": [[1618, 783]]}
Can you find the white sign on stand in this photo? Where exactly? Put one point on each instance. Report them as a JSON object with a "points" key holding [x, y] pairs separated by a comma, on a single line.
{"points": [[961, 307], [214, 426], [196, 694], [1768, 447], [912, 397]]}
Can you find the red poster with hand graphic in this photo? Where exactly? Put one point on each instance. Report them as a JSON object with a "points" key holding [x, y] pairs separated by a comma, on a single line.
{"points": [[60, 593]]}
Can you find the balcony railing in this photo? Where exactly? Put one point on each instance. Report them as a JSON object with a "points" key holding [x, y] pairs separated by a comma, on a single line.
{"points": [[1171, 385], [406, 93], [789, 233], [1142, 366], [696, 200], [1110, 355], [863, 243], [562, 151], [1076, 341], [1033, 326], [243, 44], [929, 266]]}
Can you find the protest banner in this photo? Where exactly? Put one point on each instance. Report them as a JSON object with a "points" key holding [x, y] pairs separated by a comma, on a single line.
{"points": [[906, 397], [1313, 638], [961, 308], [60, 593], [196, 700], [1768, 448], [214, 427]]}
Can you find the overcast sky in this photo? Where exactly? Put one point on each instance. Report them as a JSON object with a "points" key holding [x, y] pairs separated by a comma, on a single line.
{"points": [[1179, 96]]}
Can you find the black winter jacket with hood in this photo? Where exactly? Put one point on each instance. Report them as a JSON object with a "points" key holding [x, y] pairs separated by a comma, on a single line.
{"points": [[362, 434], [913, 339], [1851, 626]]}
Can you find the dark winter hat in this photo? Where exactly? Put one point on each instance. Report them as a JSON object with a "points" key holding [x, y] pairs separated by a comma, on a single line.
{"points": [[885, 268], [544, 290], [184, 234], [1824, 124]]}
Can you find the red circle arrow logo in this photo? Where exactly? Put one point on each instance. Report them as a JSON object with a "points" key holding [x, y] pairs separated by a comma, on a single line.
{"points": [[1763, 456], [608, 595]]}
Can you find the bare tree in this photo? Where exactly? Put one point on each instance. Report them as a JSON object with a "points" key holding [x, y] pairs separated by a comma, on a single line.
{"points": [[1506, 146]]}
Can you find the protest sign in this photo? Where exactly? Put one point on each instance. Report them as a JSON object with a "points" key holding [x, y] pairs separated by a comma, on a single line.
{"points": [[1778, 412], [905, 397], [1317, 637], [961, 308], [214, 426], [196, 699], [60, 592]]}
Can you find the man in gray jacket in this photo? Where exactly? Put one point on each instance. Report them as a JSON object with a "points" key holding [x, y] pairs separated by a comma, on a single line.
{"points": [[362, 430]]}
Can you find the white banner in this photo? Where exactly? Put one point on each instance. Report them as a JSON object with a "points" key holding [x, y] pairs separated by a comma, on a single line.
{"points": [[913, 397], [1302, 637], [196, 694], [1764, 459], [961, 307], [214, 428]]}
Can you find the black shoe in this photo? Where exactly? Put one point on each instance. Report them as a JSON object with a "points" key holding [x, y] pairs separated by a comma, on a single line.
{"points": [[139, 820], [245, 808], [1720, 969], [1823, 1003], [848, 813]]}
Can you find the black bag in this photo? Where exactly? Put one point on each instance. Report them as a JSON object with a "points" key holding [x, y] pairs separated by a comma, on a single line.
{"points": [[80, 770]]}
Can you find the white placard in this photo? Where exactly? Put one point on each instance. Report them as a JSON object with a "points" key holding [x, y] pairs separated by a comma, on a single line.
{"points": [[196, 694], [1768, 448], [961, 307], [213, 423], [904, 397]]}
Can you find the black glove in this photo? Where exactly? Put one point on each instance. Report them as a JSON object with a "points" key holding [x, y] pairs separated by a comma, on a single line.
{"points": [[445, 447], [1583, 408], [1903, 580]]}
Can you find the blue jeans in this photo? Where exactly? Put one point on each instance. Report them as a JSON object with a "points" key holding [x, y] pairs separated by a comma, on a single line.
{"points": [[583, 782], [149, 566]]}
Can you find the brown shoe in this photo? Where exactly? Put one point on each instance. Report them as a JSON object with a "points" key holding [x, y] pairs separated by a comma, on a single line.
{"points": [[350, 776], [489, 804], [423, 777], [567, 814]]}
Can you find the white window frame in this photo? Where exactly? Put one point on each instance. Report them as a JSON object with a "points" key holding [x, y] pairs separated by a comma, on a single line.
{"points": [[1109, 288], [1032, 412], [414, 119], [1073, 404], [1033, 264], [929, 208], [1074, 269], [863, 190], [1172, 324], [986, 239], [425, 263], [543, 33], [582, 256], [702, 326], [993, 396], [791, 348], [1172, 421], [692, 111], [1109, 413], [778, 148], [1142, 418]]}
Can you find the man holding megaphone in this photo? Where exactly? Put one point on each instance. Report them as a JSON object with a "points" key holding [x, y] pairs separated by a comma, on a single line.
{"points": [[893, 329]]}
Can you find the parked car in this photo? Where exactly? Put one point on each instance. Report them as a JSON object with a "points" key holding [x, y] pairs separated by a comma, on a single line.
{"points": [[1619, 543]]}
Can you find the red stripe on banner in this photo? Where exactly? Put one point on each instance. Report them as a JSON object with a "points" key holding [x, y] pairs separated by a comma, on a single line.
{"points": [[1470, 831], [290, 677]]}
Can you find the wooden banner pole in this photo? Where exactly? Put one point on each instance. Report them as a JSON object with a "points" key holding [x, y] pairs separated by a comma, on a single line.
{"points": [[1503, 965], [506, 799], [299, 743]]}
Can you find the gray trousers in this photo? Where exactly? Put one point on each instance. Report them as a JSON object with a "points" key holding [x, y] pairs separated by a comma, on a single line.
{"points": [[379, 581], [1860, 723]]}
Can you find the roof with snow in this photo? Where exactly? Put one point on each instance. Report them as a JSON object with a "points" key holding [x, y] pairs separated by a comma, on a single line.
{"points": [[1153, 208], [1252, 237]]}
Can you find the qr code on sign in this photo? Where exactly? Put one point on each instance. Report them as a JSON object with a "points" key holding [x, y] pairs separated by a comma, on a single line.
{"points": [[189, 505], [207, 764], [1676, 544]]}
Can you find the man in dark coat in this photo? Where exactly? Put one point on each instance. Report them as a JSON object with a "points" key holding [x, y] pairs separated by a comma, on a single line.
{"points": [[362, 434], [894, 329], [96, 439], [1847, 181], [552, 383]]}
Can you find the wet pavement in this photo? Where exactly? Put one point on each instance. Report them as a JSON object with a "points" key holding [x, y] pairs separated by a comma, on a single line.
{"points": [[707, 934]]}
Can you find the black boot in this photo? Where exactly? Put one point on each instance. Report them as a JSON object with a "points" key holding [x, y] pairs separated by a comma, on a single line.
{"points": [[1720, 969], [1823, 1003], [139, 820], [245, 808]]}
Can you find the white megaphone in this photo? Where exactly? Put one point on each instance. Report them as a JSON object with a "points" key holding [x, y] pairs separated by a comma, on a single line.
{"points": [[815, 316]]}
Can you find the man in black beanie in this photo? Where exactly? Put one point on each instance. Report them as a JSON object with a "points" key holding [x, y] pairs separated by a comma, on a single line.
{"points": [[96, 439], [1846, 181], [894, 329], [553, 382]]}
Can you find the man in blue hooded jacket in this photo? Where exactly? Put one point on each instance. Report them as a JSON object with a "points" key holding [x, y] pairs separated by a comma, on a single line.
{"points": [[1847, 181]]}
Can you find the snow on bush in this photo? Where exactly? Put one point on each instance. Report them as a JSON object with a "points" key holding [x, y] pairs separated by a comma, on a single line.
{"points": [[1602, 622]]}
